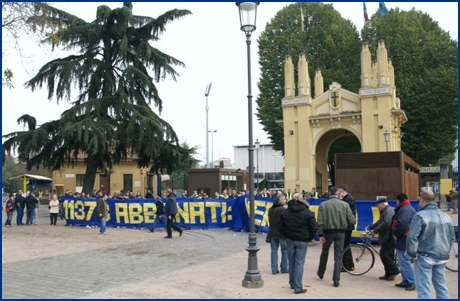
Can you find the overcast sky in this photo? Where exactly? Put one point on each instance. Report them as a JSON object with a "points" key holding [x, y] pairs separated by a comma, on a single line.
{"points": [[213, 49]]}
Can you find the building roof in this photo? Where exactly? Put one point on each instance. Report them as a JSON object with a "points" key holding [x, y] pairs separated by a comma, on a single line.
{"points": [[31, 177]]}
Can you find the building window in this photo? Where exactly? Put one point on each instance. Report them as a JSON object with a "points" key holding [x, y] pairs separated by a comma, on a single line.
{"points": [[80, 179], [128, 182]]}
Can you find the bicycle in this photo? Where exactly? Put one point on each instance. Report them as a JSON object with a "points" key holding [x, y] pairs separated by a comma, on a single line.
{"points": [[363, 255], [452, 264]]}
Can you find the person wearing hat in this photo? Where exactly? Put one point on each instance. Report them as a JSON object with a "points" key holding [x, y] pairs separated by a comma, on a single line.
{"points": [[383, 228], [297, 224], [429, 241], [334, 218], [454, 200], [277, 239], [400, 228]]}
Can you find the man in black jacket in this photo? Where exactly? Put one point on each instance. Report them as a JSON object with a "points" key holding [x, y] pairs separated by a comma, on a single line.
{"points": [[277, 239], [31, 203], [160, 214], [20, 204], [298, 225], [350, 200]]}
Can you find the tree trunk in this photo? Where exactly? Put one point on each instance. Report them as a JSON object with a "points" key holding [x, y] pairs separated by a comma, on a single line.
{"points": [[90, 174]]}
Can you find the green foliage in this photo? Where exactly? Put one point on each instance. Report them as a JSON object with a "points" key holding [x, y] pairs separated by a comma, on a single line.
{"points": [[330, 43], [12, 168], [187, 162], [426, 72], [111, 118]]}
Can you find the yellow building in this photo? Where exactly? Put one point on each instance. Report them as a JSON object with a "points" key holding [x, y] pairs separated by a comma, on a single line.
{"points": [[124, 176]]}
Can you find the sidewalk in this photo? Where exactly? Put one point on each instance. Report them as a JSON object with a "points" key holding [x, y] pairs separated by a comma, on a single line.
{"points": [[77, 262]]}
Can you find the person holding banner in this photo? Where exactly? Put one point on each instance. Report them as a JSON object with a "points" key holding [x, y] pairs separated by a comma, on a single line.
{"points": [[171, 211], [102, 210]]}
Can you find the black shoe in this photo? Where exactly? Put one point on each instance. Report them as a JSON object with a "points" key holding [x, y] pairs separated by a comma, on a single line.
{"points": [[342, 270], [285, 272], [336, 284], [302, 291], [410, 287], [275, 272], [320, 276], [151, 230], [180, 233], [167, 237], [401, 285]]}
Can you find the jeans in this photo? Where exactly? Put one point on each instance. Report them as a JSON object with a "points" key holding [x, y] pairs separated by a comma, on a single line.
{"points": [[449, 206], [387, 256], [297, 252], [103, 220], [275, 244], [9, 217], [407, 272], [425, 274], [337, 239], [36, 216], [30, 217], [19, 215], [157, 217]]}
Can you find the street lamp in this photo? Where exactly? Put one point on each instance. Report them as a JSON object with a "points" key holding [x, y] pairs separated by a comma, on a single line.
{"points": [[257, 145], [206, 93], [212, 147], [386, 136], [252, 278]]}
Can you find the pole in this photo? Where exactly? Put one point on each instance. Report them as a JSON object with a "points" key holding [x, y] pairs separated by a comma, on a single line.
{"points": [[252, 278], [207, 133]]}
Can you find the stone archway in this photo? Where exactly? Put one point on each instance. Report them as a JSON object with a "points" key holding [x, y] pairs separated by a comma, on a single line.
{"points": [[312, 123]]}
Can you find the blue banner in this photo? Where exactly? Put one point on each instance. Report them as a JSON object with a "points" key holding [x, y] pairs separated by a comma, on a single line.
{"points": [[200, 213]]}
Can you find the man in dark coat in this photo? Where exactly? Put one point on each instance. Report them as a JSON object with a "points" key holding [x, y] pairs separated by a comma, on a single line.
{"points": [[159, 215], [298, 225], [277, 239], [171, 211], [20, 204], [400, 228], [350, 200]]}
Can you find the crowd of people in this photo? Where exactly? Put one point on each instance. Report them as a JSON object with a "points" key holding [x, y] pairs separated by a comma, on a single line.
{"points": [[421, 240]]}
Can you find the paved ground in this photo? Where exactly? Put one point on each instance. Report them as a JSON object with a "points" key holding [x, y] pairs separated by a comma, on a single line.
{"points": [[77, 262]]}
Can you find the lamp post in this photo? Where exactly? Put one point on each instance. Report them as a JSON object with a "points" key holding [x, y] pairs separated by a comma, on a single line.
{"points": [[252, 278], [386, 136], [257, 145], [274, 169], [212, 147], [206, 93]]}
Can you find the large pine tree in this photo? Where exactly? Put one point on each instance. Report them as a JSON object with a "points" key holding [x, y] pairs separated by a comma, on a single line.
{"points": [[115, 70]]}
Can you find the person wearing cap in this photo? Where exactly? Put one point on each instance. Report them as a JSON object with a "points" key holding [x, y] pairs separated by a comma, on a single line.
{"points": [[399, 229], [383, 228], [171, 211], [429, 241], [298, 225], [277, 239], [454, 200], [334, 218]]}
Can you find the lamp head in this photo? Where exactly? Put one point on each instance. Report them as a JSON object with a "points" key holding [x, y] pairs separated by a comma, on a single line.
{"points": [[248, 14]]}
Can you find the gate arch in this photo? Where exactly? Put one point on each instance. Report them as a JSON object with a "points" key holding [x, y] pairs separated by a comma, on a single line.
{"points": [[311, 121]]}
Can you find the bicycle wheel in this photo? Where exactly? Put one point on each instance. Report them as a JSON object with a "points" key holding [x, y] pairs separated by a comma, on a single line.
{"points": [[452, 264], [363, 259]]}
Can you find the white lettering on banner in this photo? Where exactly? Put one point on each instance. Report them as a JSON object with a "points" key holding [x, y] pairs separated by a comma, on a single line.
{"points": [[375, 91], [294, 101], [69, 175]]}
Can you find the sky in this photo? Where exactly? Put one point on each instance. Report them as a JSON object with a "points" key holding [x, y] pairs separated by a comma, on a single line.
{"points": [[213, 48]]}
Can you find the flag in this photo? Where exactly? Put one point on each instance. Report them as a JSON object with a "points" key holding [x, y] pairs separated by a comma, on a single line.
{"points": [[366, 16], [302, 19], [383, 9]]}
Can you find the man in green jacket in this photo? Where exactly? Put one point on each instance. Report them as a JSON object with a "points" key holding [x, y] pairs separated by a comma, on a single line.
{"points": [[334, 217], [102, 210]]}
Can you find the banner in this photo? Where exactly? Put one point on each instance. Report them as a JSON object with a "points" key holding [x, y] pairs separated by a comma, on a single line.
{"points": [[201, 213]]}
